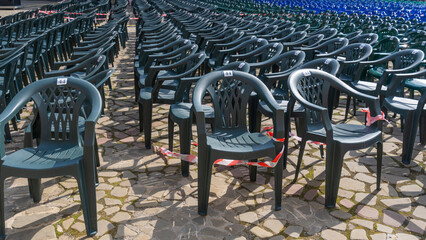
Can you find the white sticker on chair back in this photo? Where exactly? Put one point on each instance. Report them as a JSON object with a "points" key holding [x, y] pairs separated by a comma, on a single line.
{"points": [[297, 53], [275, 45], [415, 51], [327, 61], [186, 41], [61, 81], [307, 73], [241, 65], [228, 73], [361, 46]]}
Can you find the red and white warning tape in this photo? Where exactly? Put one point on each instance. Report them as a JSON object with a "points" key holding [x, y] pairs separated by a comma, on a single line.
{"points": [[222, 161], [75, 13], [371, 120]]}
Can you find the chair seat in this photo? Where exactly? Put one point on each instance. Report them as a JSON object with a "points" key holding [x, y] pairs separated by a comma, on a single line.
{"points": [[42, 158], [240, 145], [350, 134], [376, 72], [402, 104], [283, 103], [183, 110], [164, 95], [367, 87], [169, 84], [418, 84]]}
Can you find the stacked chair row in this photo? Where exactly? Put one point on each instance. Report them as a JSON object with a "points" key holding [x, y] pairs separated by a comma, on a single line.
{"points": [[293, 69], [63, 70]]}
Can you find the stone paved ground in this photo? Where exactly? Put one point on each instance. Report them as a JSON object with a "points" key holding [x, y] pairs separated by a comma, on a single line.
{"points": [[143, 196]]}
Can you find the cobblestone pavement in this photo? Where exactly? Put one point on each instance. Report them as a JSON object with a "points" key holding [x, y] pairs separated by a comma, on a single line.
{"points": [[143, 196]]}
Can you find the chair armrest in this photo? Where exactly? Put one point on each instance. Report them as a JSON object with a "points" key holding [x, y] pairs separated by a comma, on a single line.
{"points": [[184, 84]]}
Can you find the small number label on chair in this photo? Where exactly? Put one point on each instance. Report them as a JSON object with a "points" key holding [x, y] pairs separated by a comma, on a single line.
{"points": [[201, 55], [253, 37], [241, 65], [415, 51], [99, 58], [186, 41], [227, 73], [259, 40], [327, 61], [275, 45], [361, 46], [61, 81], [371, 34], [193, 46], [178, 37], [340, 39], [307, 73], [392, 38], [423, 43], [297, 53]]}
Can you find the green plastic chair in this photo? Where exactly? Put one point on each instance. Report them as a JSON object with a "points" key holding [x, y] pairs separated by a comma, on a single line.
{"points": [[180, 113], [230, 139], [154, 92], [58, 154], [310, 87], [412, 111]]}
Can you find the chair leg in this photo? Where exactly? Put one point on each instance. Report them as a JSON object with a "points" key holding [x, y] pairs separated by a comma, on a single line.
{"points": [[379, 164], [34, 184], [253, 171], [185, 145], [2, 218], [299, 159], [170, 130], [147, 122], [204, 180], [254, 116], [422, 128], [333, 170], [86, 186], [354, 106], [322, 151], [8, 136], [408, 138], [348, 103], [278, 184], [140, 117]]}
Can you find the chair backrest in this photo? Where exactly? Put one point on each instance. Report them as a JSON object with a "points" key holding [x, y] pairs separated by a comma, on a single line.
{"points": [[328, 65], [58, 102], [311, 87], [303, 27], [387, 45], [288, 60], [370, 38], [230, 92], [353, 52], [8, 67]]}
